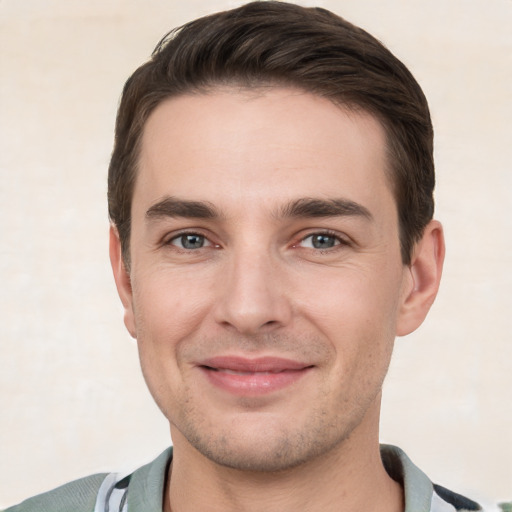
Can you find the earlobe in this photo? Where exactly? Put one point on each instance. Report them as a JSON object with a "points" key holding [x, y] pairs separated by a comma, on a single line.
{"points": [[122, 279], [423, 283]]}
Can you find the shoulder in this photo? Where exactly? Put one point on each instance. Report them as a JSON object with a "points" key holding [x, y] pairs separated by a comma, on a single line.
{"points": [[141, 490], [421, 495], [77, 496]]}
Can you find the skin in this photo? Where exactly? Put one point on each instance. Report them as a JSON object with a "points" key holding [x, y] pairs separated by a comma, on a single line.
{"points": [[231, 257]]}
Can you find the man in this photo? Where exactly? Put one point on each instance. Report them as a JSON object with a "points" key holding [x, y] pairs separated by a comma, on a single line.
{"points": [[270, 193]]}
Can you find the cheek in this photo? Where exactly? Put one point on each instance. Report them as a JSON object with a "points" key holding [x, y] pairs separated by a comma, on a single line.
{"points": [[351, 298], [355, 311], [168, 307], [167, 312]]}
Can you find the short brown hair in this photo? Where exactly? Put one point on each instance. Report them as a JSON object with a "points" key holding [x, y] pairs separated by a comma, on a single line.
{"points": [[277, 43]]}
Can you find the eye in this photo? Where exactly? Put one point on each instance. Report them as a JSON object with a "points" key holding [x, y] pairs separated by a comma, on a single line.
{"points": [[190, 241], [321, 241]]}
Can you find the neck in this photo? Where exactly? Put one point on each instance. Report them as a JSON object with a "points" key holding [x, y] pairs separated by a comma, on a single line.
{"points": [[349, 477]]}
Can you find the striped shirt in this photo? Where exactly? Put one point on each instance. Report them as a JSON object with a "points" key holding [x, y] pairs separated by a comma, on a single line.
{"points": [[143, 490]]}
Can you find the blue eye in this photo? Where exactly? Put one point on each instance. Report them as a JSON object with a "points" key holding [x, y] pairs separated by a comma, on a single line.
{"points": [[190, 241], [320, 241]]}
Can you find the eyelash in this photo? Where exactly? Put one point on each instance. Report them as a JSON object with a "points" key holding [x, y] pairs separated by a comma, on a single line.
{"points": [[338, 241], [183, 234]]}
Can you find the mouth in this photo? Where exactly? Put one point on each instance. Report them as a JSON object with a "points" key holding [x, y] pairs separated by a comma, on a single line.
{"points": [[243, 376]]}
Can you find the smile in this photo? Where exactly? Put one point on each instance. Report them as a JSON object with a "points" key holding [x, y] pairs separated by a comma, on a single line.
{"points": [[241, 376], [233, 372]]}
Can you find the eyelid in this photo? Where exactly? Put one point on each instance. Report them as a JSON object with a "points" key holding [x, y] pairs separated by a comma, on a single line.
{"points": [[169, 238], [341, 239]]}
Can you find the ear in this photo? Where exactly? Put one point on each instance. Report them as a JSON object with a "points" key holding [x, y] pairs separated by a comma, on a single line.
{"points": [[422, 283], [122, 279]]}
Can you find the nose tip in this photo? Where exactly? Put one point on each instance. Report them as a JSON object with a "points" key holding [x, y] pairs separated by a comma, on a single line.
{"points": [[253, 299]]}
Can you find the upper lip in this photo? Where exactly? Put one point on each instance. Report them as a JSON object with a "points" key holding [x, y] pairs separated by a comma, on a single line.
{"points": [[258, 364]]}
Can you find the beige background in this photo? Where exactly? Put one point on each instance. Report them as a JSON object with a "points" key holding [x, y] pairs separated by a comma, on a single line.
{"points": [[72, 398]]}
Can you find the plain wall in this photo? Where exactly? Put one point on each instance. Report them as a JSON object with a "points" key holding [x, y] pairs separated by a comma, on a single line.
{"points": [[72, 398]]}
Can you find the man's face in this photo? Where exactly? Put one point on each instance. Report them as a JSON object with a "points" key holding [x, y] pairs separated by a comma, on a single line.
{"points": [[266, 277]]}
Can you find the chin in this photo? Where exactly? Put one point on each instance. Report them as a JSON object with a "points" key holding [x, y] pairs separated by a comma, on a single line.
{"points": [[263, 447]]}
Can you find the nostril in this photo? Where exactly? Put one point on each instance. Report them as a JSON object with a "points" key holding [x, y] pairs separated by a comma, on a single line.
{"points": [[270, 323]]}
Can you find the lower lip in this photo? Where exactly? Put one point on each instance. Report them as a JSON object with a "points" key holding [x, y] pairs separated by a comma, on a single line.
{"points": [[252, 384]]}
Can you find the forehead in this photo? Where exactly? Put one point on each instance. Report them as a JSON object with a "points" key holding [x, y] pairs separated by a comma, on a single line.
{"points": [[262, 145]]}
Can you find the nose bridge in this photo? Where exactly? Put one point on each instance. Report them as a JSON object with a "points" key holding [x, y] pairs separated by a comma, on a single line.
{"points": [[253, 298]]}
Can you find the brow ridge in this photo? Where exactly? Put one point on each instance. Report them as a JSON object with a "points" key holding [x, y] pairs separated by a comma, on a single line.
{"points": [[315, 207], [174, 207], [305, 207]]}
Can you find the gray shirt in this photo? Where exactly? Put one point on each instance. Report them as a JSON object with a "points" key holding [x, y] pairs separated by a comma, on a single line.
{"points": [[143, 490]]}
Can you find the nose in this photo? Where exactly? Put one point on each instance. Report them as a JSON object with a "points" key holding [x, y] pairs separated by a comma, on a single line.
{"points": [[253, 299]]}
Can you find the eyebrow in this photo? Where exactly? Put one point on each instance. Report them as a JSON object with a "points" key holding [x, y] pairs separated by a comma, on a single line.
{"points": [[305, 207], [312, 207], [173, 207]]}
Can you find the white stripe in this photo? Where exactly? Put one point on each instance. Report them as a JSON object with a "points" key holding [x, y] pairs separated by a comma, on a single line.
{"points": [[114, 503], [109, 498], [439, 505]]}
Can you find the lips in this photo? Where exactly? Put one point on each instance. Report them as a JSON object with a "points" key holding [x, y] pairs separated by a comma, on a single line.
{"points": [[243, 376]]}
